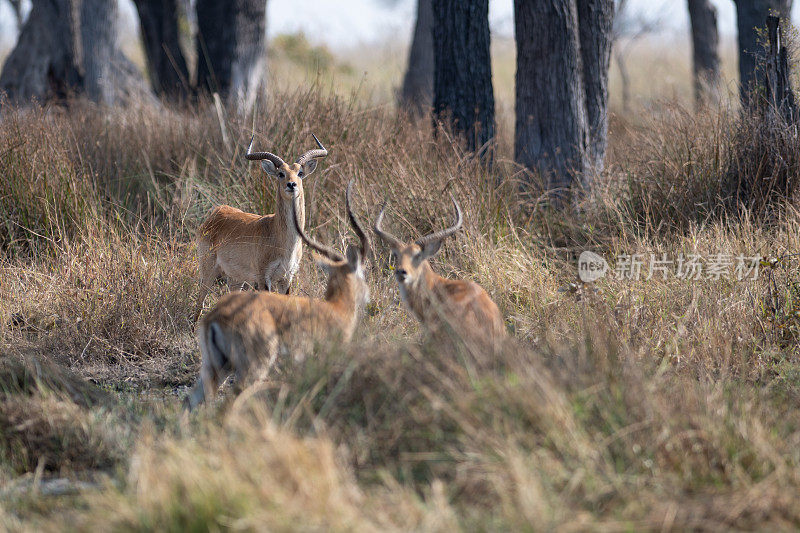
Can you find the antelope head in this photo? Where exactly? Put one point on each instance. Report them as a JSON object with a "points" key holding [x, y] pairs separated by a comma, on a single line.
{"points": [[411, 260], [344, 272], [289, 177]]}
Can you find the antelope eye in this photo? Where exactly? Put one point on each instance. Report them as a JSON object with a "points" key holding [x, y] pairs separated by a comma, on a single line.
{"points": [[281, 175], [300, 174]]}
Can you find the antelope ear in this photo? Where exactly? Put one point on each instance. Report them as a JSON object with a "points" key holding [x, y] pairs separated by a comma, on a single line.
{"points": [[309, 168], [269, 167], [430, 249]]}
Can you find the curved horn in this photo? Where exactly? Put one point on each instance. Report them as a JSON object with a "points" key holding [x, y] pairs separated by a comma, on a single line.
{"points": [[330, 253], [357, 227], [439, 235], [385, 236], [258, 156], [312, 154]]}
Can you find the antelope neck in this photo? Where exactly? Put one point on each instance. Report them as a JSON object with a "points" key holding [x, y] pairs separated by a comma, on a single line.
{"points": [[419, 296], [283, 212]]}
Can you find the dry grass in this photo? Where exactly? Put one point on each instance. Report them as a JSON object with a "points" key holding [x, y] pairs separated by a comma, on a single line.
{"points": [[660, 403]]}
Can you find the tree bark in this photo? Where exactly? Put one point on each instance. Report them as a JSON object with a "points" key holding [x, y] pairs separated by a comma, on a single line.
{"points": [[230, 48], [552, 126], [705, 50], [70, 47], [166, 64], [779, 94], [109, 77], [595, 27], [416, 96], [98, 37], [463, 93], [44, 63], [751, 16]]}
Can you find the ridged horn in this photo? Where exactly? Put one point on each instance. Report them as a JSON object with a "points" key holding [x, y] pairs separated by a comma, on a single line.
{"points": [[439, 235], [312, 154], [258, 156], [384, 235], [328, 252], [357, 227]]}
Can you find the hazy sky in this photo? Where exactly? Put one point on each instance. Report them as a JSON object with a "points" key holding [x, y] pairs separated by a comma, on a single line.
{"points": [[353, 22], [349, 23]]}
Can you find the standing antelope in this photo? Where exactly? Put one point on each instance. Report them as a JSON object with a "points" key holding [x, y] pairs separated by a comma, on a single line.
{"points": [[246, 327], [263, 251], [432, 299]]}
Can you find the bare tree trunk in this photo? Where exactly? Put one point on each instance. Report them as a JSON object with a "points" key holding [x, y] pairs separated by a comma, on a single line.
{"points": [[70, 47], [98, 37], [779, 94], [463, 90], [166, 64], [595, 25], [417, 92], [230, 48], [552, 127], [625, 80], [751, 16], [44, 63], [109, 77], [705, 46]]}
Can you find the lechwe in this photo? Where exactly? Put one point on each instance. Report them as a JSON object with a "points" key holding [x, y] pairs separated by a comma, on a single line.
{"points": [[435, 301], [264, 251], [247, 329]]}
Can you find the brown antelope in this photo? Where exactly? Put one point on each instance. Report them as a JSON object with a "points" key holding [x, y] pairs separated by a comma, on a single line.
{"points": [[263, 251], [432, 299], [247, 328]]}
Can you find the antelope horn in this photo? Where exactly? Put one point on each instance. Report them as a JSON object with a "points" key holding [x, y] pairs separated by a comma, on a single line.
{"points": [[330, 253], [257, 156], [385, 236], [439, 235], [357, 227], [312, 154]]}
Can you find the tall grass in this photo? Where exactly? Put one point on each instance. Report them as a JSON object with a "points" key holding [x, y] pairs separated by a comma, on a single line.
{"points": [[650, 404]]}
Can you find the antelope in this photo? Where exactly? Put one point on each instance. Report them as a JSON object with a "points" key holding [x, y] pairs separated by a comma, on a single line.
{"points": [[246, 328], [433, 299], [264, 251]]}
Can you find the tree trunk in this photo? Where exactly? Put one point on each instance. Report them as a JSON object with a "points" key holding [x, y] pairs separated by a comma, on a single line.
{"points": [[98, 37], [230, 48], [109, 77], [70, 47], [705, 46], [552, 127], [625, 81], [166, 64], [44, 64], [751, 16], [779, 94], [595, 25], [417, 93], [463, 91]]}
